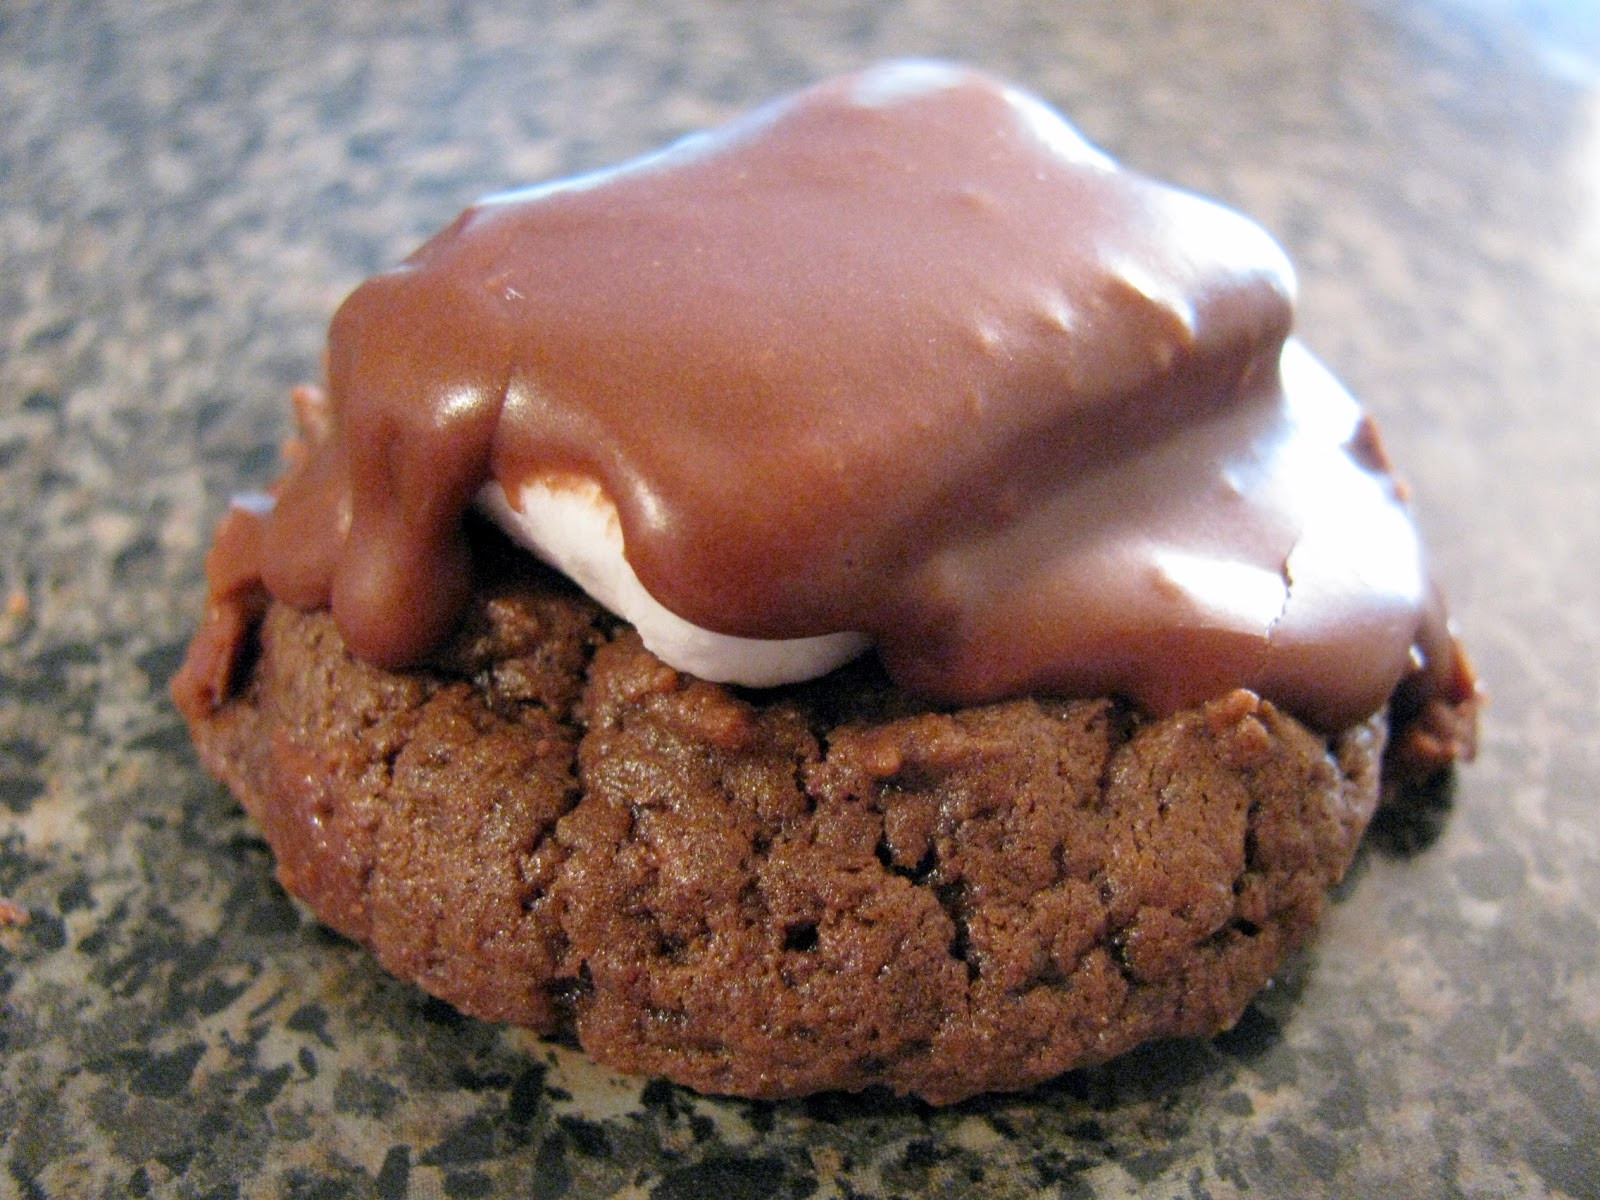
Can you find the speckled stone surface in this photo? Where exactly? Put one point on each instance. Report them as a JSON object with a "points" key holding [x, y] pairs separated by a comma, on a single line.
{"points": [[189, 189]]}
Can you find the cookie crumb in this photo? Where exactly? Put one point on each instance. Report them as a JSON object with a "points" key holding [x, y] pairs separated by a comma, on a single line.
{"points": [[1227, 711]]}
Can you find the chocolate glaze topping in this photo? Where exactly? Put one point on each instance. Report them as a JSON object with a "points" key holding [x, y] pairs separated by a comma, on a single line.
{"points": [[902, 354]]}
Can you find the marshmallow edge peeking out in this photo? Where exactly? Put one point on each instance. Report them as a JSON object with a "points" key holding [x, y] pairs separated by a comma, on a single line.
{"points": [[572, 525]]}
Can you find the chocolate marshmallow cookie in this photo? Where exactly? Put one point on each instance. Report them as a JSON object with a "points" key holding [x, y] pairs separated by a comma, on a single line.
{"points": [[870, 595]]}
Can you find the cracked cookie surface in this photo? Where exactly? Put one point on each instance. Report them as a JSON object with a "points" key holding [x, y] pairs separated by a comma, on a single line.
{"points": [[775, 893]]}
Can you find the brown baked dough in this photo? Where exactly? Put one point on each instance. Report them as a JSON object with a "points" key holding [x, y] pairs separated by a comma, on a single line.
{"points": [[775, 893]]}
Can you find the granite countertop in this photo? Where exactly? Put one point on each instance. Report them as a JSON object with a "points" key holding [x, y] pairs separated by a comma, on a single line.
{"points": [[190, 188]]}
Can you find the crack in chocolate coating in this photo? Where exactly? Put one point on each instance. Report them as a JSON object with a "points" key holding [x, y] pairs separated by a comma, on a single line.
{"points": [[773, 893]]}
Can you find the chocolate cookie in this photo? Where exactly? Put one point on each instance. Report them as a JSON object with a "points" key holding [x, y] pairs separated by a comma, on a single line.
{"points": [[828, 885]]}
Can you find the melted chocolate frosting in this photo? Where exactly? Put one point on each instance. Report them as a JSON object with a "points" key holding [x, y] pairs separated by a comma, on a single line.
{"points": [[902, 354]]}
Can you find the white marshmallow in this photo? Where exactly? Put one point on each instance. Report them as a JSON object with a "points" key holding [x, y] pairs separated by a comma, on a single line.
{"points": [[573, 525]]}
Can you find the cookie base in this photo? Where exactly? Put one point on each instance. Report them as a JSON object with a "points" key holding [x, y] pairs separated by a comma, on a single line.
{"points": [[826, 886]]}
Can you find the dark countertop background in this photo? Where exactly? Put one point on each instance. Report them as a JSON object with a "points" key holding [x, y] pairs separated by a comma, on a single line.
{"points": [[189, 189]]}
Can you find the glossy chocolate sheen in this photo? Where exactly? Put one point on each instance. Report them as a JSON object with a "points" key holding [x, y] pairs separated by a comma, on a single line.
{"points": [[902, 354]]}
